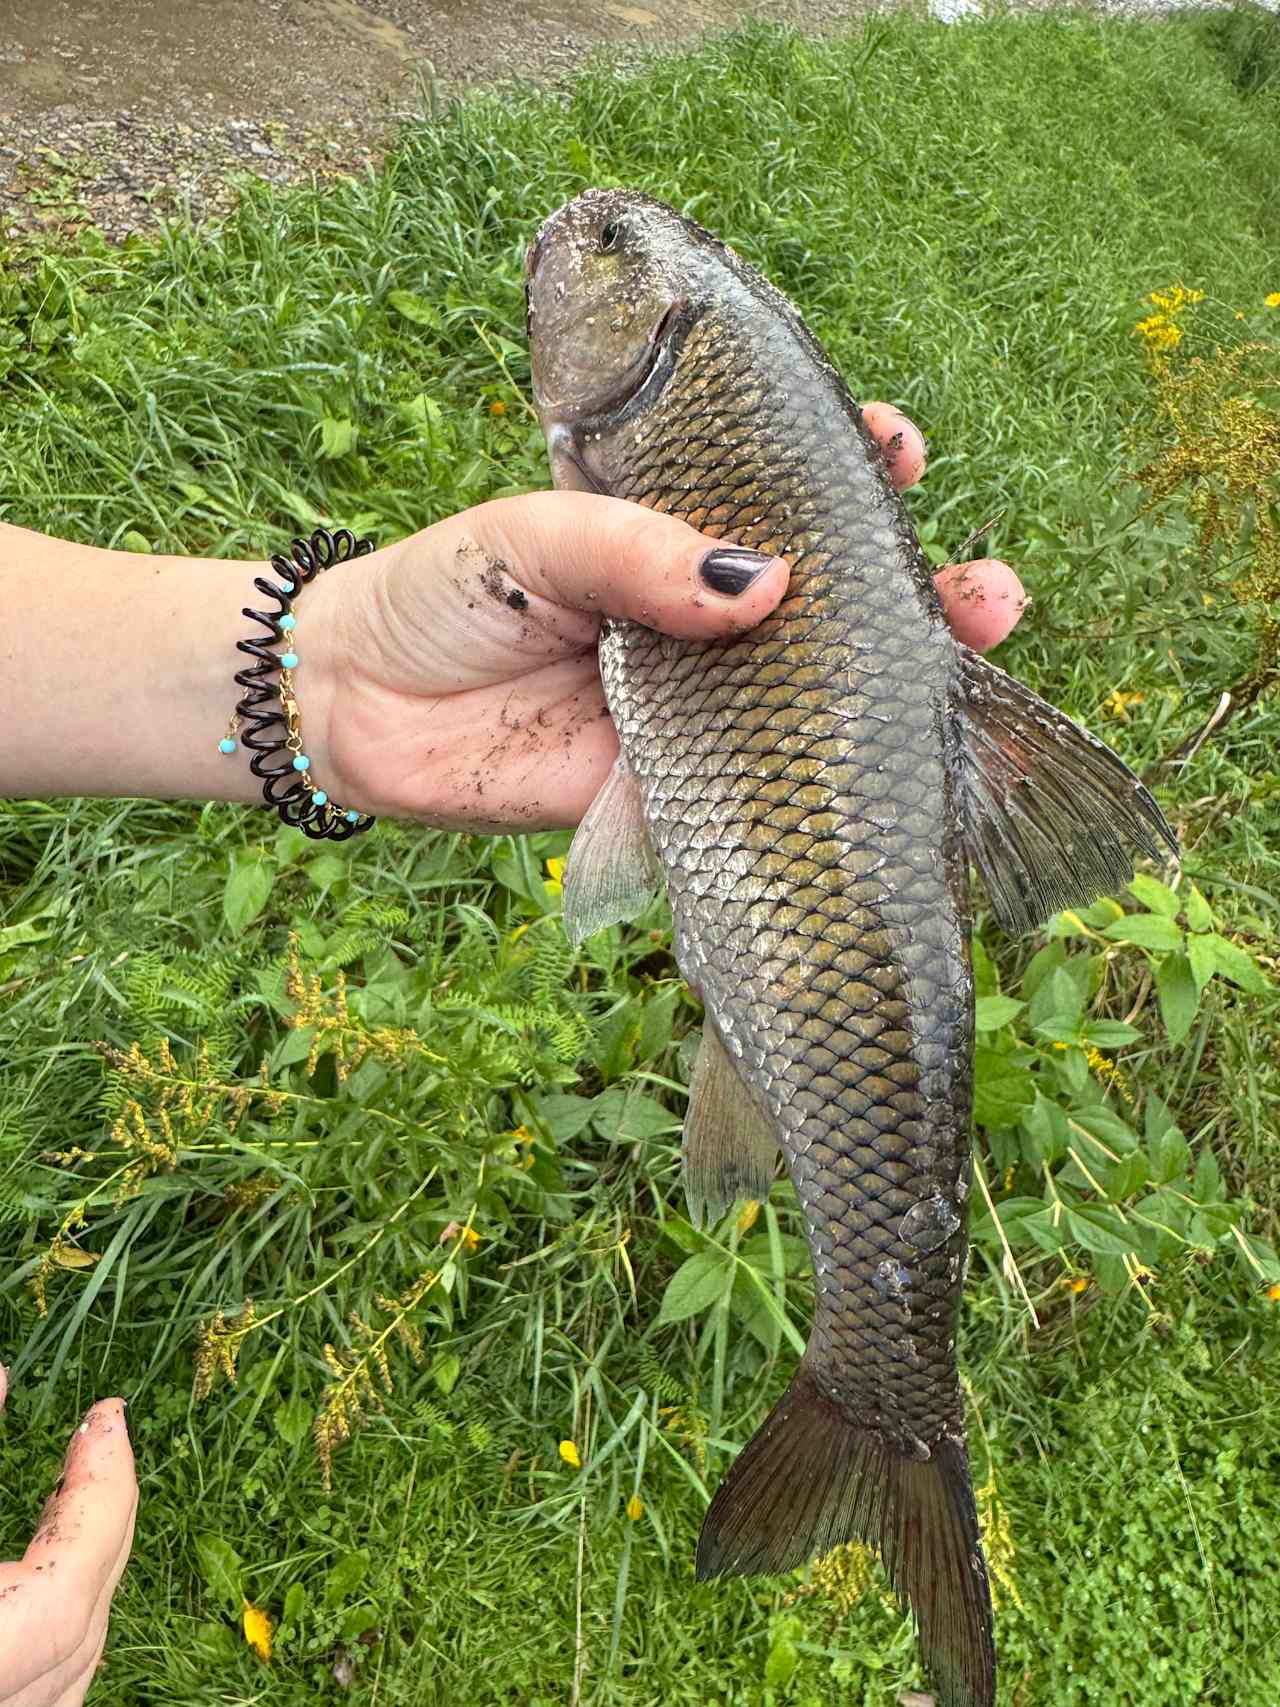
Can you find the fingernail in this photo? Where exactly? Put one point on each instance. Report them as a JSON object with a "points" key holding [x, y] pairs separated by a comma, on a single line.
{"points": [[731, 569]]}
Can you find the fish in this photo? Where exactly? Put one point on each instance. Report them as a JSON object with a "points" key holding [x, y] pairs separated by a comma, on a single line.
{"points": [[813, 793]]}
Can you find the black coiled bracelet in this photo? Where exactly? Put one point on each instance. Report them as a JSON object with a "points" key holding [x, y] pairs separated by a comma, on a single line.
{"points": [[268, 706]]}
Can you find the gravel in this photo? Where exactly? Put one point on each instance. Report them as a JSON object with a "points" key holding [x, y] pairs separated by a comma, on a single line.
{"points": [[116, 113]]}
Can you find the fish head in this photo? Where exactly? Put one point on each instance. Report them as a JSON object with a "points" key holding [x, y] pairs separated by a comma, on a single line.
{"points": [[614, 280]]}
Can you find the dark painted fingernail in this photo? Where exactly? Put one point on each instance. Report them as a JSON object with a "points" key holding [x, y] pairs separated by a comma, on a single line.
{"points": [[732, 569]]}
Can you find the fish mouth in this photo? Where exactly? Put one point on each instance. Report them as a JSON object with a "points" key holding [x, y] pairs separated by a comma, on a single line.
{"points": [[642, 369], [567, 439]]}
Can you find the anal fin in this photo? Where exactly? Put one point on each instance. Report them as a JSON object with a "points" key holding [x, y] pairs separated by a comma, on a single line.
{"points": [[729, 1146], [611, 873], [1053, 818]]}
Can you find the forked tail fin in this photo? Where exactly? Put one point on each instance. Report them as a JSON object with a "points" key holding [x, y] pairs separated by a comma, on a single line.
{"points": [[808, 1480]]}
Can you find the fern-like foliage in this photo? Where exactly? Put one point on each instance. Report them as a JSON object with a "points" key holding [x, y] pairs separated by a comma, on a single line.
{"points": [[184, 993]]}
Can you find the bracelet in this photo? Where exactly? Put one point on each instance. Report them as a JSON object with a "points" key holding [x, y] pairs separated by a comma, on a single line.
{"points": [[267, 707]]}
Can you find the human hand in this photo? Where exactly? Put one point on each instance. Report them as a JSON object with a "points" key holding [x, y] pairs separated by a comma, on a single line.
{"points": [[55, 1603], [464, 690]]}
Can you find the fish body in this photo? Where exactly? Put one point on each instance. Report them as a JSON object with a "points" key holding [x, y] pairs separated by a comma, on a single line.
{"points": [[812, 793]]}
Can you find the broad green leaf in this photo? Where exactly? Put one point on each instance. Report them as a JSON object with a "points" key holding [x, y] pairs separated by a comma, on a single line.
{"points": [[1099, 1229], [1258, 1256], [1206, 1184], [1148, 930], [1104, 1123], [1048, 1229], [1170, 1156], [1000, 1091], [696, 1285], [1127, 1176], [1044, 1129], [564, 1116], [749, 1306], [622, 1116], [327, 869], [416, 308], [1109, 1033], [1179, 997], [1213, 1221], [337, 435], [293, 1420], [445, 1372], [294, 1604], [1202, 959], [221, 1566], [783, 1659], [1010, 1209], [1043, 963], [1155, 896], [1234, 963], [991, 1012], [248, 888], [656, 1022], [346, 1576], [1199, 912]]}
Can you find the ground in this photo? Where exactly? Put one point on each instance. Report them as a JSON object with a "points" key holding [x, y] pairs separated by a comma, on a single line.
{"points": [[112, 111]]}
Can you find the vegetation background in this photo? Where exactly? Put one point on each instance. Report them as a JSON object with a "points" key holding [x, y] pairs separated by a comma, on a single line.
{"points": [[363, 1186]]}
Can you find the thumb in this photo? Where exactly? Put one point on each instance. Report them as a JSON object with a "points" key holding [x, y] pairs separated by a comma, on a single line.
{"points": [[610, 557]]}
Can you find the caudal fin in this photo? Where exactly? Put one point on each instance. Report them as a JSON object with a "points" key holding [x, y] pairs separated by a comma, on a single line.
{"points": [[809, 1480]]}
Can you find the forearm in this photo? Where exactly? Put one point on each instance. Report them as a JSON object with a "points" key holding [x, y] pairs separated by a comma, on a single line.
{"points": [[116, 670]]}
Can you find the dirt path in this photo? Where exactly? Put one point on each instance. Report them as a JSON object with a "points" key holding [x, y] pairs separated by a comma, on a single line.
{"points": [[112, 111]]}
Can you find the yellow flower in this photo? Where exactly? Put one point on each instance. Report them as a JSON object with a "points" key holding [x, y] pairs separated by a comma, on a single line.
{"points": [[635, 1508], [1075, 1282], [1160, 332], [1175, 297], [1117, 704], [1273, 1292], [498, 408], [553, 883], [257, 1630], [569, 1452], [749, 1216], [1273, 301], [456, 1230]]}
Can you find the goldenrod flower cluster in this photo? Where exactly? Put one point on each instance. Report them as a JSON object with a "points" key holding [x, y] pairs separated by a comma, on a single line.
{"points": [[1161, 331]]}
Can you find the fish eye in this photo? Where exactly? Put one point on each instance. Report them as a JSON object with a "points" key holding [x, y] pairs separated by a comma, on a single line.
{"points": [[609, 236]]}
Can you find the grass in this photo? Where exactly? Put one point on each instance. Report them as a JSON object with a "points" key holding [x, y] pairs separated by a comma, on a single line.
{"points": [[972, 219]]}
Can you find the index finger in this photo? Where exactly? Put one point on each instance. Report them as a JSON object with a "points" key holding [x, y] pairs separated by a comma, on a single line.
{"points": [[86, 1526]]}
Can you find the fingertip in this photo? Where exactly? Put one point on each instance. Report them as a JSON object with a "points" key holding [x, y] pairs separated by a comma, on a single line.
{"points": [[4, 1385], [734, 590], [901, 442], [983, 601], [101, 1441]]}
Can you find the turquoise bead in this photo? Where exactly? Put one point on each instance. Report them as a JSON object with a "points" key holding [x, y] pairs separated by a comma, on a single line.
{"points": [[302, 762], [352, 817], [288, 622], [226, 745], [319, 797], [288, 660]]}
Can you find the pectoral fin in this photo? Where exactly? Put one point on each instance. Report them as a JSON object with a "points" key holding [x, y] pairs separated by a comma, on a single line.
{"points": [[729, 1146], [1053, 818], [611, 873]]}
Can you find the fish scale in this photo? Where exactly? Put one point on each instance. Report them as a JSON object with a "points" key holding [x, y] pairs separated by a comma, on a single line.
{"points": [[812, 793], [812, 983]]}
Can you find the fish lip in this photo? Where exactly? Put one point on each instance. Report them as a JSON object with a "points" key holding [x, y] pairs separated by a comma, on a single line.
{"points": [[563, 448]]}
